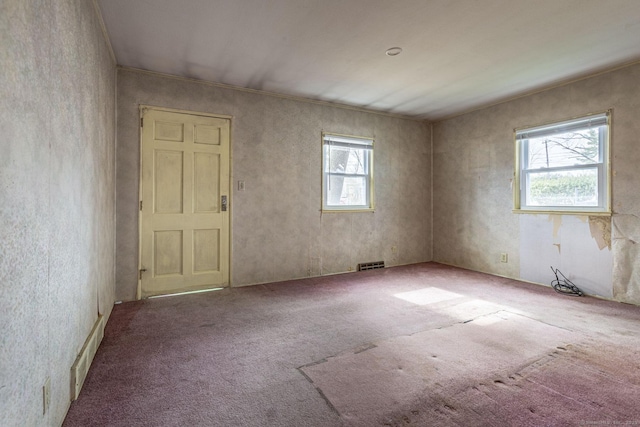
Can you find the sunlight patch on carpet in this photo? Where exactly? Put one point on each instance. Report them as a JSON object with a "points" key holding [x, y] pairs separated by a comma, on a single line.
{"points": [[428, 296]]}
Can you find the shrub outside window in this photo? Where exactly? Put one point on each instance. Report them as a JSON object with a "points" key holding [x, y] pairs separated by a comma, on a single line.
{"points": [[564, 166], [347, 173]]}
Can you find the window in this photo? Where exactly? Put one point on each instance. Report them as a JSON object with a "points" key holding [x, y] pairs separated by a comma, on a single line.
{"points": [[347, 173], [564, 166]]}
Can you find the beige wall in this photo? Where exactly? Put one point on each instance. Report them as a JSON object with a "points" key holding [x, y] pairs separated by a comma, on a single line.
{"points": [[473, 168], [278, 232], [57, 205], [57, 185]]}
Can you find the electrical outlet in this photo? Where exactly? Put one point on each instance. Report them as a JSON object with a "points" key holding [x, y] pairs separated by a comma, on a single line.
{"points": [[504, 257], [46, 395], [394, 249], [240, 185]]}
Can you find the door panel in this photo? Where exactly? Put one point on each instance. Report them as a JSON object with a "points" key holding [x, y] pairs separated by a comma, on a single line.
{"points": [[168, 131], [205, 255], [184, 234], [167, 252], [206, 184], [207, 135], [168, 183]]}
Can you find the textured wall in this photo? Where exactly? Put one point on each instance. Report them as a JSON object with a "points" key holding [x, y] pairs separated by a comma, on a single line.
{"points": [[57, 207], [277, 230], [473, 167]]}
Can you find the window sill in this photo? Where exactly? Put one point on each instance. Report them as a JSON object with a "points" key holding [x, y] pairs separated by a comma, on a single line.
{"points": [[561, 212], [371, 210]]}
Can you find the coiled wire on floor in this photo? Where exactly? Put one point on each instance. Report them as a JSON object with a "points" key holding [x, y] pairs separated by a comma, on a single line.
{"points": [[563, 285]]}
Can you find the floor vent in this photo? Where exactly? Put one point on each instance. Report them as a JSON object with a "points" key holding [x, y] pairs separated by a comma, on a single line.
{"points": [[370, 265], [82, 364]]}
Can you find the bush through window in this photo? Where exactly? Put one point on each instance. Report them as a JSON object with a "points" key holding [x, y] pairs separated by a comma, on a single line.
{"points": [[564, 166]]}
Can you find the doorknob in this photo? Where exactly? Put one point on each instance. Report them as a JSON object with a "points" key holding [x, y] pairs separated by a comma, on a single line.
{"points": [[224, 204], [142, 270]]}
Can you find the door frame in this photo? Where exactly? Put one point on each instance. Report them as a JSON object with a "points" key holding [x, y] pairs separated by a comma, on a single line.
{"points": [[142, 109]]}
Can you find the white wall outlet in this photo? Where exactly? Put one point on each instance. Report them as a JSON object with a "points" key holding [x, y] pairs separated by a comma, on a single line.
{"points": [[46, 395], [504, 257]]}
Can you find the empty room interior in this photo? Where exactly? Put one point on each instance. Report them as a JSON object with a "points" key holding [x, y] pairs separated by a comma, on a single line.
{"points": [[319, 213]]}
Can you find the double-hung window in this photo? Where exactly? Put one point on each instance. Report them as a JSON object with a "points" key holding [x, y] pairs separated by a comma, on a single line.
{"points": [[564, 166], [347, 173]]}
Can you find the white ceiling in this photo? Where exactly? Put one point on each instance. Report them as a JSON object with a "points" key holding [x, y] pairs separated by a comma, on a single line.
{"points": [[457, 54]]}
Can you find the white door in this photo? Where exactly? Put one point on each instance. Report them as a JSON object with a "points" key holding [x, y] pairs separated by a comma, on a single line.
{"points": [[184, 217]]}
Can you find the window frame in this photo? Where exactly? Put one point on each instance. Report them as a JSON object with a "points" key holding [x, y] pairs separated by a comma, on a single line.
{"points": [[603, 165], [368, 143]]}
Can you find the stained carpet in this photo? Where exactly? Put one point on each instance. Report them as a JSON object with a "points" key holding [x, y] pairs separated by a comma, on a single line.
{"points": [[424, 345]]}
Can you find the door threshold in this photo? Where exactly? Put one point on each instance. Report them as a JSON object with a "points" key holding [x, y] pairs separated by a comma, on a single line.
{"points": [[185, 293]]}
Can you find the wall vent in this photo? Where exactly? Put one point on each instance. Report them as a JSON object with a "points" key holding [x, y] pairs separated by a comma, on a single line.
{"points": [[370, 265], [81, 366]]}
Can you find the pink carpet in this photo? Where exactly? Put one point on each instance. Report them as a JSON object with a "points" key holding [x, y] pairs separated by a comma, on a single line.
{"points": [[424, 345]]}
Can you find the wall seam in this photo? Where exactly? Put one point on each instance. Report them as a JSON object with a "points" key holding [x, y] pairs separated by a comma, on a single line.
{"points": [[431, 189], [115, 179], [48, 414]]}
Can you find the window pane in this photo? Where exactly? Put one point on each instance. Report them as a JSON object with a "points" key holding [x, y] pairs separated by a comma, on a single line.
{"points": [[566, 149], [346, 160], [566, 188], [346, 191]]}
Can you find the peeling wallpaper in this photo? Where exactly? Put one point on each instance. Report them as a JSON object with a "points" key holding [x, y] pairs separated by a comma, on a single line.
{"points": [[278, 232], [473, 168], [57, 204], [567, 243], [626, 244]]}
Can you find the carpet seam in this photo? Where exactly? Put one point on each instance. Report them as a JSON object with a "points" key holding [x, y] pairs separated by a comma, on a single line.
{"points": [[320, 392]]}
